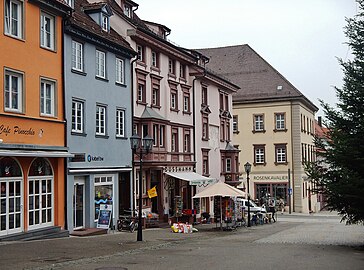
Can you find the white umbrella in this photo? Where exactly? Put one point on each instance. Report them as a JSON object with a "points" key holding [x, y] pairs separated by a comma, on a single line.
{"points": [[220, 189]]}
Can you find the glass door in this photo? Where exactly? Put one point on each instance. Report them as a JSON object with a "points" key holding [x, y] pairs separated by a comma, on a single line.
{"points": [[79, 203], [11, 208]]}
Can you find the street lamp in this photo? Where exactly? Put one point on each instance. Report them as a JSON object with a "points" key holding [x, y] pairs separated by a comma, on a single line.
{"points": [[248, 168], [144, 146]]}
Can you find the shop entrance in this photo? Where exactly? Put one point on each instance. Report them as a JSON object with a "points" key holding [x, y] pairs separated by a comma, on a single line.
{"points": [[11, 196], [10, 212], [40, 194], [79, 203]]}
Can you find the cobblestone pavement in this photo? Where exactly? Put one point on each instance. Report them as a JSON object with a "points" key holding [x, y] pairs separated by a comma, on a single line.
{"points": [[302, 241], [317, 229]]}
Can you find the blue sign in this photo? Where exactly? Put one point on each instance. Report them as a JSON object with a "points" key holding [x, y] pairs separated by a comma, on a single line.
{"points": [[289, 191]]}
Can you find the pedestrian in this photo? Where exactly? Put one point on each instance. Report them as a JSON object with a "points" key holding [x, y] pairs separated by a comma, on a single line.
{"points": [[281, 205], [272, 209]]}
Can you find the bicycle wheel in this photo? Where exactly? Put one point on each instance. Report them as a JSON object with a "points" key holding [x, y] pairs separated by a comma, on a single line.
{"points": [[120, 226]]}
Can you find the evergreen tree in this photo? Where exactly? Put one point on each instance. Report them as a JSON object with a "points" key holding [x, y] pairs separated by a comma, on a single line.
{"points": [[339, 171]]}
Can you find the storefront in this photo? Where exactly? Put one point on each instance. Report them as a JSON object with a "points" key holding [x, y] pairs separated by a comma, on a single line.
{"points": [[31, 190], [275, 186], [180, 187], [89, 189]]}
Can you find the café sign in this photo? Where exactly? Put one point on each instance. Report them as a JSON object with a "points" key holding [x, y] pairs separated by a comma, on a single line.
{"points": [[16, 130]]}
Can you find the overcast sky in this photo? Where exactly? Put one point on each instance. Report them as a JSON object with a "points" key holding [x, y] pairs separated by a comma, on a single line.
{"points": [[299, 38]]}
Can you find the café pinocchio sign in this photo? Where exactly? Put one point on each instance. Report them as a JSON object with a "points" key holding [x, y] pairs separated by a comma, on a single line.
{"points": [[17, 130]]}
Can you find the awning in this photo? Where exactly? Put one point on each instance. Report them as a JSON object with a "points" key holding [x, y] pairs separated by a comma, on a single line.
{"points": [[192, 177], [34, 153], [220, 189]]}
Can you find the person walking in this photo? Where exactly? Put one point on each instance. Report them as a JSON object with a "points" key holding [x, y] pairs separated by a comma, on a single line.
{"points": [[281, 205], [272, 209]]}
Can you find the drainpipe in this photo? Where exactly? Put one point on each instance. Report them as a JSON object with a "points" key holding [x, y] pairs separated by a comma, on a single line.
{"points": [[293, 178], [65, 129], [132, 130]]}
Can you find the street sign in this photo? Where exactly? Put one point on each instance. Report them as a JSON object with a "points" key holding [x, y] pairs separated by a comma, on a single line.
{"points": [[290, 191]]}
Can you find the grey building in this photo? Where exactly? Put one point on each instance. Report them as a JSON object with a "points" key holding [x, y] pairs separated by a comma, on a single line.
{"points": [[98, 112]]}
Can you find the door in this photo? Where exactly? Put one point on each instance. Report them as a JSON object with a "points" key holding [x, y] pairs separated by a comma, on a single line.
{"points": [[11, 206], [79, 203], [40, 201]]}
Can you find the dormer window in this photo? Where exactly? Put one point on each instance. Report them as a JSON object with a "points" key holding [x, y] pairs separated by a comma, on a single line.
{"points": [[127, 10], [105, 22]]}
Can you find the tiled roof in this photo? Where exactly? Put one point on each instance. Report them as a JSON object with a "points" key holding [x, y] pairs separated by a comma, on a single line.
{"points": [[86, 23], [149, 113], [257, 79]]}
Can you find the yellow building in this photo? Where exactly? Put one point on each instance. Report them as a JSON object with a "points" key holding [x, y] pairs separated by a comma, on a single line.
{"points": [[273, 126]]}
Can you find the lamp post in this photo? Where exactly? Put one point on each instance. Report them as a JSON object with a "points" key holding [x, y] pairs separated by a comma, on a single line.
{"points": [[140, 147], [248, 167]]}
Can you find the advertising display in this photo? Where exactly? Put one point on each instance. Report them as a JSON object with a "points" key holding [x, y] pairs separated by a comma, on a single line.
{"points": [[105, 215]]}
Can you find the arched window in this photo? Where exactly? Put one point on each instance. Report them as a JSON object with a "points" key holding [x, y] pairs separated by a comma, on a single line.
{"points": [[9, 168], [40, 167]]}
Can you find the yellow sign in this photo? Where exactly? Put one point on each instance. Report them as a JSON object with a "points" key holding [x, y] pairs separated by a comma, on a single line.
{"points": [[152, 192]]}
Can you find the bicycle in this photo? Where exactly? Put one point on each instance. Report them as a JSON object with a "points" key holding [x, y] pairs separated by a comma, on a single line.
{"points": [[128, 222]]}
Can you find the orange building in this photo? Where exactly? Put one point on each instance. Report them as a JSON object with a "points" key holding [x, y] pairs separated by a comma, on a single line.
{"points": [[32, 122]]}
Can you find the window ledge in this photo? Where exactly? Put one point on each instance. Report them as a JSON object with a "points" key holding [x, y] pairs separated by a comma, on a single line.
{"points": [[121, 138], [120, 84], [141, 102], [260, 164], [156, 69], [171, 75], [79, 72], [181, 79], [205, 139], [259, 131], [280, 130], [236, 132], [280, 163], [156, 106], [175, 110], [141, 63], [78, 134], [101, 136], [187, 113], [101, 79]]}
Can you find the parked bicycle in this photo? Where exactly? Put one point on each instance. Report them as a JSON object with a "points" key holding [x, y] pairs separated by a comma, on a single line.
{"points": [[128, 222]]}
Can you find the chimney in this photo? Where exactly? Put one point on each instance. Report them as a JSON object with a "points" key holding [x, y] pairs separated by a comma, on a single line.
{"points": [[319, 120]]}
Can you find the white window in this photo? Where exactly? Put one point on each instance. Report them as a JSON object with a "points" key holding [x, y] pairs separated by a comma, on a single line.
{"points": [[173, 100], [171, 68], [105, 22], [14, 18], [258, 123], [141, 92], [119, 70], [259, 155], [154, 59], [47, 31], [280, 121], [77, 116], [13, 91], [140, 53], [100, 120], [77, 55], [100, 64], [235, 123], [127, 11], [47, 98], [120, 123], [161, 136], [228, 165], [186, 103], [281, 154]]}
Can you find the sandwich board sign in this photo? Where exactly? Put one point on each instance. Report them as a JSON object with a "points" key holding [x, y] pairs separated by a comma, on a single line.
{"points": [[105, 215]]}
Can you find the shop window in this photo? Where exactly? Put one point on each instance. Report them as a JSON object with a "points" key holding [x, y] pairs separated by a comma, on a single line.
{"points": [[40, 167], [9, 168], [104, 187]]}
